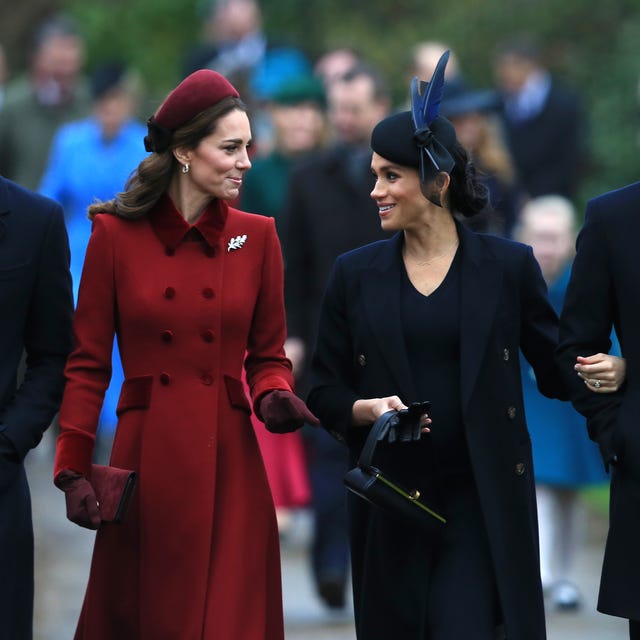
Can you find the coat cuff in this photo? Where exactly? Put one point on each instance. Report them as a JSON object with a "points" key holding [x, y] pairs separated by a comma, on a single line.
{"points": [[74, 452]]}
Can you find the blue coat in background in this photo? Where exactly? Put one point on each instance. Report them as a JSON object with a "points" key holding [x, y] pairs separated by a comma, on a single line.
{"points": [[562, 452], [83, 168]]}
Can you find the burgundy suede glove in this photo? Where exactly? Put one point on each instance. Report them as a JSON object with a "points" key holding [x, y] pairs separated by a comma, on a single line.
{"points": [[82, 504], [282, 412]]}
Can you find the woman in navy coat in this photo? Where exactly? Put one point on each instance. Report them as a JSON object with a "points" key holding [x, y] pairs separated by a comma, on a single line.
{"points": [[439, 313]]}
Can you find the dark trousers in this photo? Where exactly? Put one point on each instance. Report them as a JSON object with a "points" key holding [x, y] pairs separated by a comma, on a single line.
{"points": [[330, 550]]}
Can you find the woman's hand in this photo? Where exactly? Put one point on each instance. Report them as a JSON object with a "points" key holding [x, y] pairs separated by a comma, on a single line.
{"points": [[366, 411], [602, 373]]}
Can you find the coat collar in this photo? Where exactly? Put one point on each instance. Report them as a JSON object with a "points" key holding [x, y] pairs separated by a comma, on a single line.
{"points": [[481, 277], [171, 228]]}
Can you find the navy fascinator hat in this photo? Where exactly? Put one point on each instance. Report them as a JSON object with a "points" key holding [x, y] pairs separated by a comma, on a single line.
{"points": [[419, 138]]}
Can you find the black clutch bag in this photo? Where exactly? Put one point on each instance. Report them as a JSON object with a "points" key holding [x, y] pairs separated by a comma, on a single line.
{"points": [[114, 488], [377, 488]]}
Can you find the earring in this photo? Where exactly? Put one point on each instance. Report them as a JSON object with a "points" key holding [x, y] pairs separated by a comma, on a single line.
{"points": [[185, 168]]}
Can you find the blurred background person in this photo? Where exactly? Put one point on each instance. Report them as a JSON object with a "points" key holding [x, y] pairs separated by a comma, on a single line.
{"points": [[334, 63], [475, 115], [328, 212], [91, 160], [425, 56], [51, 93], [565, 459], [297, 114], [544, 122], [4, 74]]}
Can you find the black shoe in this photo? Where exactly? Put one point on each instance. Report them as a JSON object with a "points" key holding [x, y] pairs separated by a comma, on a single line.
{"points": [[332, 592]]}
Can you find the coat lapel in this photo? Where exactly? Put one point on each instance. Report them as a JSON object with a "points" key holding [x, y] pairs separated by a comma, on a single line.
{"points": [[381, 296], [482, 277]]}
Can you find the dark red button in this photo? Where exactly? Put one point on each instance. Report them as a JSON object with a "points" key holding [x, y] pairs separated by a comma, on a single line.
{"points": [[206, 378], [167, 336], [165, 378], [169, 251], [210, 251], [207, 292], [207, 335], [169, 293]]}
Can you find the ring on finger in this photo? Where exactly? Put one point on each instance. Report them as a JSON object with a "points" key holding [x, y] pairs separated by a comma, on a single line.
{"points": [[596, 384]]}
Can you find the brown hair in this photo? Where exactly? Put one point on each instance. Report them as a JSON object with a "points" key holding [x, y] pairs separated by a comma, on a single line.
{"points": [[153, 175]]}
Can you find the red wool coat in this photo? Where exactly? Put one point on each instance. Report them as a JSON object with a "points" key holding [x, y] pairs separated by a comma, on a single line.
{"points": [[197, 557]]}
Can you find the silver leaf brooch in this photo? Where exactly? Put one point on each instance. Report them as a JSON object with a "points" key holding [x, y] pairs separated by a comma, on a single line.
{"points": [[236, 243]]}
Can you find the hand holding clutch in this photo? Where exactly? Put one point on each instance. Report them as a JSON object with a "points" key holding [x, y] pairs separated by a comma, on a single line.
{"points": [[282, 412], [82, 504], [406, 424]]}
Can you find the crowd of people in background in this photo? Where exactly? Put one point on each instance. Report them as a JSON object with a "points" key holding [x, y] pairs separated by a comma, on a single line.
{"points": [[75, 133]]}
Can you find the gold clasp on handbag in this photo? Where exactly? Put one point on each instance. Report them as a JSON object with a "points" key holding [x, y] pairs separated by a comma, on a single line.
{"points": [[414, 495]]}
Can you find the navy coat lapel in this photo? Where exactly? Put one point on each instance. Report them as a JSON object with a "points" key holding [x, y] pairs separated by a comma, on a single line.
{"points": [[481, 279], [381, 295]]}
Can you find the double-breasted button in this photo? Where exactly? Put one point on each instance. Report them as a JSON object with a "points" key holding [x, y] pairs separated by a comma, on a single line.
{"points": [[520, 469], [362, 360], [168, 251], [209, 251], [208, 293], [165, 379], [208, 335], [511, 413], [206, 379], [169, 293], [167, 336], [505, 355]]}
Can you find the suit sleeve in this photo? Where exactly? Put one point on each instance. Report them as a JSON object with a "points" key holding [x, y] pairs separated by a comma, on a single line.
{"points": [[88, 369], [539, 330], [47, 341], [332, 396], [585, 327], [266, 365]]}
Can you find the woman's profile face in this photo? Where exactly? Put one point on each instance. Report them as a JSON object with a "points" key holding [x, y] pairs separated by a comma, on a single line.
{"points": [[398, 195], [219, 162]]}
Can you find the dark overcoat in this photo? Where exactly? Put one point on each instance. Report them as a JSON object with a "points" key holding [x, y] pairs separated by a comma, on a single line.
{"points": [[603, 292], [361, 353], [197, 557], [37, 308]]}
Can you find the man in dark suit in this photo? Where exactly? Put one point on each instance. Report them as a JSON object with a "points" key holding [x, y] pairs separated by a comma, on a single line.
{"points": [[37, 308], [603, 293], [330, 211], [543, 122]]}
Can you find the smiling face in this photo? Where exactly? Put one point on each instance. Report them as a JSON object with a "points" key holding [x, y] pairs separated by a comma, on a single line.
{"points": [[398, 194], [219, 162]]}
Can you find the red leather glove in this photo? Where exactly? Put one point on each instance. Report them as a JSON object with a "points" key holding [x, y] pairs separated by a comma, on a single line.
{"points": [[282, 412], [82, 504]]}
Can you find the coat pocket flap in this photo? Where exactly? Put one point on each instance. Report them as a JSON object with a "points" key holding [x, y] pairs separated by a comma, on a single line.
{"points": [[135, 394], [237, 396]]}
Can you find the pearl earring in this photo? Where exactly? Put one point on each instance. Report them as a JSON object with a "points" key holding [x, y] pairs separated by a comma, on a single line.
{"points": [[185, 168]]}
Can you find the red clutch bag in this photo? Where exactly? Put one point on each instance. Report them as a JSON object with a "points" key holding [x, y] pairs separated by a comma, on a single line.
{"points": [[114, 488]]}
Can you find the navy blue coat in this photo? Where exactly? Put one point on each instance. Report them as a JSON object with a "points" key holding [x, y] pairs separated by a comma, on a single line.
{"points": [[603, 292], [361, 353], [37, 308]]}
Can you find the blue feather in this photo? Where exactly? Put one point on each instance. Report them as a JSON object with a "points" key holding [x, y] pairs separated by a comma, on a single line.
{"points": [[426, 97]]}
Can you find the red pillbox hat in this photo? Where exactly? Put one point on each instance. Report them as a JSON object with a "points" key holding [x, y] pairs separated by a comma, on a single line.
{"points": [[197, 92]]}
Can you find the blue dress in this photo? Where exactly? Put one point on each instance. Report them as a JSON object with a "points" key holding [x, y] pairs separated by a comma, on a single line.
{"points": [[82, 168], [563, 454]]}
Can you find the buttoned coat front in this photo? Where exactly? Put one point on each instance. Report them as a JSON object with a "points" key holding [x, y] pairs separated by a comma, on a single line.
{"points": [[197, 557], [361, 353]]}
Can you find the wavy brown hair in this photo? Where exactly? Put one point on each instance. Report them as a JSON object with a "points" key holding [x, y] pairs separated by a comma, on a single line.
{"points": [[153, 175]]}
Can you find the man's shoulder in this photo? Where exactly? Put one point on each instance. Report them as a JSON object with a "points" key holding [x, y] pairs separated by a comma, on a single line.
{"points": [[16, 197]]}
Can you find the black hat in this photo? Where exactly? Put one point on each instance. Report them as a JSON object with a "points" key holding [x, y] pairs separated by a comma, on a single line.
{"points": [[106, 77], [420, 137], [459, 99]]}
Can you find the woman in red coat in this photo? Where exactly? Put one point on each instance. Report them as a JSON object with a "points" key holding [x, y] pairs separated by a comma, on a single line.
{"points": [[189, 286]]}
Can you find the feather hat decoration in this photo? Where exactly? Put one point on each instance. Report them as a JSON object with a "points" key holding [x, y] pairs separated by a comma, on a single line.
{"points": [[425, 105]]}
